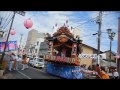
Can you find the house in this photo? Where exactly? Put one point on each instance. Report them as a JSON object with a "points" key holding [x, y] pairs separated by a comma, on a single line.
{"points": [[107, 61], [113, 54], [88, 50]]}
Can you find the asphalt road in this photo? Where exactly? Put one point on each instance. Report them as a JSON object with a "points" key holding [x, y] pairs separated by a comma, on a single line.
{"points": [[30, 73]]}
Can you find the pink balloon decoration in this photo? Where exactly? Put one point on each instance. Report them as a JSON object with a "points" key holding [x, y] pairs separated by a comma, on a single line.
{"points": [[12, 32], [28, 23]]}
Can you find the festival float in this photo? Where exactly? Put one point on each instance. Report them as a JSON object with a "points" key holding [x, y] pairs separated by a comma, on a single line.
{"points": [[62, 58]]}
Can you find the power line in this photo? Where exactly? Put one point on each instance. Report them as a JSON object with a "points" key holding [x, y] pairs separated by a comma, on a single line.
{"points": [[23, 21], [74, 27], [81, 29], [87, 35], [1, 18], [7, 23], [4, 15], [81, 23], [85, 22], [6, 20]]}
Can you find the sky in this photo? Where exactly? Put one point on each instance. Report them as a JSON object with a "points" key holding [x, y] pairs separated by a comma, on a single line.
{"points": [[85, 21]]}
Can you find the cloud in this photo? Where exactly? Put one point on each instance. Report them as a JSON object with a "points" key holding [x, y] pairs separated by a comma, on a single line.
{"points": [[43, 21], [109, 20]]}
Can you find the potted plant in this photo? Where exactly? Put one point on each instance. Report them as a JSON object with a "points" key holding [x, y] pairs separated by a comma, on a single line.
{"points": [[1, 70]]}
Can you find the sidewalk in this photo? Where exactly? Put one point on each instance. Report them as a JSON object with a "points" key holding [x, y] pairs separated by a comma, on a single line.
{"points": [[7, 75]]}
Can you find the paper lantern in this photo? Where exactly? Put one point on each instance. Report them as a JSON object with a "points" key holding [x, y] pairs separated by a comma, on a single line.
{"points": [[28, 23], [12, 32]]}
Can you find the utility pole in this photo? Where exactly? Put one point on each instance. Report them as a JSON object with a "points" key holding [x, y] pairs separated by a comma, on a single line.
{"points": [[7, 38], [99, 21], [19, 12]]}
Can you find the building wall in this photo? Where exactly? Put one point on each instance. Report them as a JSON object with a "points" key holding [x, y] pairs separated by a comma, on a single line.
{"points": [[87, 61], [108, 56], [38, 46], [31, 39], [43, 48], [41, 35]]}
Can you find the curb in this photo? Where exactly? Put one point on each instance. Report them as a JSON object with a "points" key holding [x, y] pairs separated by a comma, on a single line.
{"points": [[4, 77]]}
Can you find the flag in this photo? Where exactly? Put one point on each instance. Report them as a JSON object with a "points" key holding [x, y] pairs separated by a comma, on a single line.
{"points": [[12, 45], [2, 46]]}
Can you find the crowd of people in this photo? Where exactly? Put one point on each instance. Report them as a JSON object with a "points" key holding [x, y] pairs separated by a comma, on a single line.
{"points": [[101, 72], [15, 60]]}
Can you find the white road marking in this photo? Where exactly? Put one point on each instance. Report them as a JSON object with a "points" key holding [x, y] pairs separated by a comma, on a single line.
{"points": [[37, 69], [24, 74]]}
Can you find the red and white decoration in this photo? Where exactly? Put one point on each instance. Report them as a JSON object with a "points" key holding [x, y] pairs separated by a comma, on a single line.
{"points": [[11, 46], [67, 60], [28, 23], [12, 32], [88, 56]]}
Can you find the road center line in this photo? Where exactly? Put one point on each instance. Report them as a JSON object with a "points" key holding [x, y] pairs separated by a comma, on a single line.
{"points": [[24, 74]]}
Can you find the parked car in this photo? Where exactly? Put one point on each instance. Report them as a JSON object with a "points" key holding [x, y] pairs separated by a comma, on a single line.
{"points": [[38, 62], [30, 62]]}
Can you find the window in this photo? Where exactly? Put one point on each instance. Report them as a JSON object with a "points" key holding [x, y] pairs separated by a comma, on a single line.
{"points": [[40, 60]]}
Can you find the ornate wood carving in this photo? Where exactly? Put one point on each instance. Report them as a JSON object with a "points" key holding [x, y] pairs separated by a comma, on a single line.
{"points": [[63, 30]]}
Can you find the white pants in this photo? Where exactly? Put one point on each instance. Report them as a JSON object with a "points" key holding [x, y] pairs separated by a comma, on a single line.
{"points": [[24, 66], [11, 65]]}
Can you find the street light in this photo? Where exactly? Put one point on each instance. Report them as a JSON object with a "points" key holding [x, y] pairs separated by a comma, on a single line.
{"points": [[111, 36]]}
